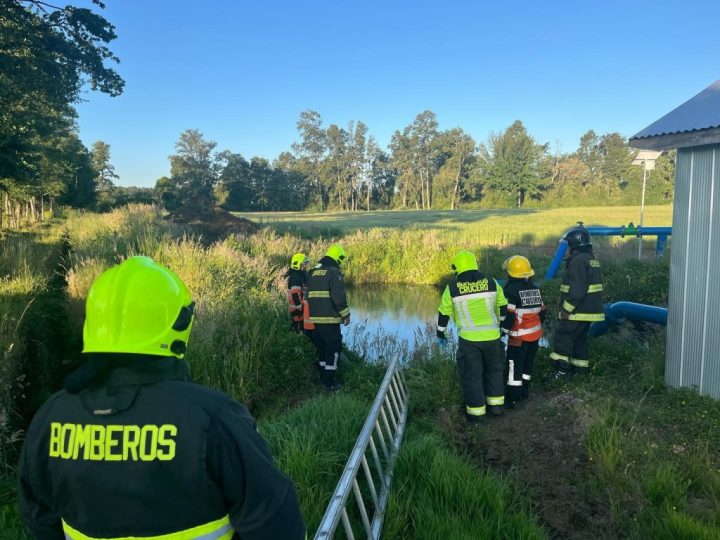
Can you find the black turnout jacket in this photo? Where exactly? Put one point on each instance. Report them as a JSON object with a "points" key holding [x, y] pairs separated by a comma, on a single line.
{"points": [[142, 451], [326, 293]]}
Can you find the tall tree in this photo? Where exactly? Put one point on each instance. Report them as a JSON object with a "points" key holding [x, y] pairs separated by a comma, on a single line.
{"points": [[589, 154], [337, 165], [101, 162], [194, 171], [513, 162], [617, 157], [235, 189], [661, 181], [423, 131], [311, 150], [457, 149], [402, 160]]}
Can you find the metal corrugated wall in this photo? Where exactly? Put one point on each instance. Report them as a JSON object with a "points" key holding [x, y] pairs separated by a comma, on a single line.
{"points": [[693, 344]]}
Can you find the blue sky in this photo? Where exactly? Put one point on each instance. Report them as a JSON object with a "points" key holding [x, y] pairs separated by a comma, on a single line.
{"points": [[242, 71]]}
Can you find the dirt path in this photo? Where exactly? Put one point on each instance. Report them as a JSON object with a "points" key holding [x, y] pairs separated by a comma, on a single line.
{"points": [[539, 444]]}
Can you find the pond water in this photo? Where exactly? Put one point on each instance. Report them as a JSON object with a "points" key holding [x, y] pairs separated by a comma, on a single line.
{"points": [[391, 320]]}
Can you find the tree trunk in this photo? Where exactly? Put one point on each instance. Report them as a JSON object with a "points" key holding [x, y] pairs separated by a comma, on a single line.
{"points": [[368, 196], [455, 190], [428, 196], [404, 195]]}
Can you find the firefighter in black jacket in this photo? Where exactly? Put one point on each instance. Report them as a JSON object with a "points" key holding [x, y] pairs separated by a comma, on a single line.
{"points": [[132, 449], [328, 307], [523, 326], [296, 281], [581, 303]]}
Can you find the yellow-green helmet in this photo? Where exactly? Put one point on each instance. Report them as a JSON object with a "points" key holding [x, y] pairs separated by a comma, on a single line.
{"points": [[138, 307], [337, 253], [297, 261], [464, 261], [518, 266]]}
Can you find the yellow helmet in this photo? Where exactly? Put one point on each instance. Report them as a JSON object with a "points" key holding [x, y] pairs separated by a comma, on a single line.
{"points": [[337, 253], [464, 261], [518, 266], [297, 261], [138, 307]]}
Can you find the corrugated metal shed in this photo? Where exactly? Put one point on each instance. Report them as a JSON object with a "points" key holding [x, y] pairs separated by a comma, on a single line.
{"points": [[693, 334], [693, 340], [700, 112]]}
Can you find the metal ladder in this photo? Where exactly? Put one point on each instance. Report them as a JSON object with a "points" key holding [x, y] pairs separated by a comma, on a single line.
{"points": [[384, 427]]}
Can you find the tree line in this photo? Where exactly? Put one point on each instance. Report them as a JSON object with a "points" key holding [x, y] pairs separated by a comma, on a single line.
{"points": [[423, 168], [47, 55]]}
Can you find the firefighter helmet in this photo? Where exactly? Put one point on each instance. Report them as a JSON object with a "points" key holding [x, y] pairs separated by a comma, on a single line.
{"points": [[297, 261], [337, 253], [464, 261], [577, 237], [138, 307], [518, 266]]}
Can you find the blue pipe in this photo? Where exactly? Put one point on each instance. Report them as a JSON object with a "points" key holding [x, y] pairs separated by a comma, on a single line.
{"points": [[661, 232], [557, 259], [628, 311], [629, 231]]}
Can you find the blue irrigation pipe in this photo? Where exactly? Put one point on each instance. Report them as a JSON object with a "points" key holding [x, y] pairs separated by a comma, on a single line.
{"points": [[557, 259], [628, 311], [661, 232]]}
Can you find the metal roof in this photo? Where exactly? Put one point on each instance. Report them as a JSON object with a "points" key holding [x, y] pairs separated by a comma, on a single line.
{"points": [[700, 112]]}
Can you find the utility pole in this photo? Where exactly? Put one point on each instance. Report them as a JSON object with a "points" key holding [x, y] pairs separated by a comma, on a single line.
{"points": [[642, 209]]}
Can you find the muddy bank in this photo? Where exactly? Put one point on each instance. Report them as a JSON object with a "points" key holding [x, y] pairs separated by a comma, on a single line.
{"points": [[540, 445]]}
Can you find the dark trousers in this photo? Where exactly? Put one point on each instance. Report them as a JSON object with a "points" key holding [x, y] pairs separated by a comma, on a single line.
{"points": [[310, 334], [570, 346], [296, 326], [328, 340], [481, 365], [520, 361]]}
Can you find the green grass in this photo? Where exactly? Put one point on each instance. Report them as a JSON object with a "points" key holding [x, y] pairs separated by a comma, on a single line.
{"points": [[417, 246], [655, 451], [439, 494], [496, 226]]}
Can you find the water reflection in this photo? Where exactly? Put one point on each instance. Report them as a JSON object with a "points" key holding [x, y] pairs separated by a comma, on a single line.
{"points": [[396, 320], [392, 320]]}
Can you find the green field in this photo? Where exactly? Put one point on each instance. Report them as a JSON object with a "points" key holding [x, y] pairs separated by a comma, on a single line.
{"points": [[483, 227], [615, 455]]}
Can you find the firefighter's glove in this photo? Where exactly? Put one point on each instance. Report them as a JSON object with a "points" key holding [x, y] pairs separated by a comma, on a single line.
{"points": [[564, 315], [441, 334], [346, 320]]}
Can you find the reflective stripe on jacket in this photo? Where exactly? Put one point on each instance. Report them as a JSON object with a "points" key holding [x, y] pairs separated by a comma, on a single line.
{"points": [[525, 311], [477, 305], [581, 292], [220, 529], [326, 296]]}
